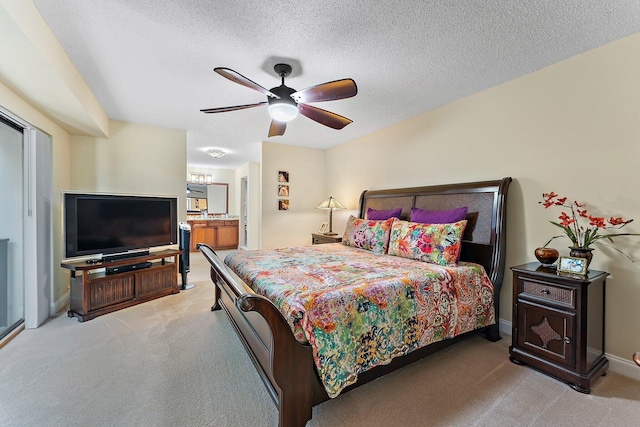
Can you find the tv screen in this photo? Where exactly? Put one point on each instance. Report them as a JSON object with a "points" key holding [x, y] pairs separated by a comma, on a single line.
{"points": [[110, 224]]}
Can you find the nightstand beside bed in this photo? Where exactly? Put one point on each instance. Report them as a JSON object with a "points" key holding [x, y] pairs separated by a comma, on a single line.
{"points": [[558, 324]]}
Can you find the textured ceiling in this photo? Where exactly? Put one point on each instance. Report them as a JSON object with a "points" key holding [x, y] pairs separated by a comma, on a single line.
{"points": [[151, 61]]}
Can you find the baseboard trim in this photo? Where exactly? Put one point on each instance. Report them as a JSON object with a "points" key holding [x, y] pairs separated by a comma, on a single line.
{"points": [[504, 327], [624, 367], [621, 366], [59, 304], [12, 334]]}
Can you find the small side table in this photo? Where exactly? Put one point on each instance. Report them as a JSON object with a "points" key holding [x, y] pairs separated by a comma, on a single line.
{"points": [[318, 239], [558, 324]]}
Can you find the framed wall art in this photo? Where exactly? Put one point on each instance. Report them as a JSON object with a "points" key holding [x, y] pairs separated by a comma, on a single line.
{"points": [[283, 190], [283, 176]]}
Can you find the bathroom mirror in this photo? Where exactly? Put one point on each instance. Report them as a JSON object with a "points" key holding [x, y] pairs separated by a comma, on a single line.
{"points": [[212, 197]]}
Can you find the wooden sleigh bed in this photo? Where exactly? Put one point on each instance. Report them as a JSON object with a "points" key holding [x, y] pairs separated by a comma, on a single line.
{"points": [[286, 366]]}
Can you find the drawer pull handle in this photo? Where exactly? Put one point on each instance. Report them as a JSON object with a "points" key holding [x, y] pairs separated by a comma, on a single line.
{"points": [[567, 340], [546, 291]]}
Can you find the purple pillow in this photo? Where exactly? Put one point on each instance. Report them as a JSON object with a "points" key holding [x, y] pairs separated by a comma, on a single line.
{"points": [[438, 217], [379, 215]]}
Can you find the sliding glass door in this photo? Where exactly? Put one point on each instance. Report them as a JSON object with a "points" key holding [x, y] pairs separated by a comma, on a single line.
{"points": [[12, 304]]}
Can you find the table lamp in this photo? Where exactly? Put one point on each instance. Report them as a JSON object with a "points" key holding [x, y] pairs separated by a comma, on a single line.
{"points": [[331, 204]]}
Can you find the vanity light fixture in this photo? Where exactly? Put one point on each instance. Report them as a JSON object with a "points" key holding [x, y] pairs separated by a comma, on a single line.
{"points": [[199, 178]]}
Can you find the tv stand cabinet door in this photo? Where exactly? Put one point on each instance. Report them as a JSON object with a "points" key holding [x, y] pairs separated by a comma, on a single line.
{"points": [[109, 291], [100, 292], [155, 281]]}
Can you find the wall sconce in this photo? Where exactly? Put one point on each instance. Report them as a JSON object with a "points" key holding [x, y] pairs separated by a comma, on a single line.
{"points": [[331, 204]]}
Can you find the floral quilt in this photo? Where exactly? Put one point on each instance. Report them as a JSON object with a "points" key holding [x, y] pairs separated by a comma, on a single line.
{"points": [[358, 309]]}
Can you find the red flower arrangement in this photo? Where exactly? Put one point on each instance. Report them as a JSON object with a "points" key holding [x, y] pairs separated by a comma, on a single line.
{"points": [[584, 236]]}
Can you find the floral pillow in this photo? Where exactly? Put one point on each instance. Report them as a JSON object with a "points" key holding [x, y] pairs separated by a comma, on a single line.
{"points": [[433, 243], [368, 234]]}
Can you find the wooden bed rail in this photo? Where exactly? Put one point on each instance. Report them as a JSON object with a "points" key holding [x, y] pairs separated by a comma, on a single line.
{"points": [[222, 269], [286, 366]]}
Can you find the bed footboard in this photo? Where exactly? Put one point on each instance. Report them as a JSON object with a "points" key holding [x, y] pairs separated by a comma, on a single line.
{"points": [[284, 365]]}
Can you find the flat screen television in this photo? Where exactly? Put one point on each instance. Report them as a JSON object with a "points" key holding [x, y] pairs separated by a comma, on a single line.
{"points": [[117, 224]]}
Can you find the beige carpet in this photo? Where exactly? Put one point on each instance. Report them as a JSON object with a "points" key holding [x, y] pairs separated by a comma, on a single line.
{"points": [[173, 362]]}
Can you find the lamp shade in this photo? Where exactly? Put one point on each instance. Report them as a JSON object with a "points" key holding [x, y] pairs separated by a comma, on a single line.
{"points": [[331, 203]]}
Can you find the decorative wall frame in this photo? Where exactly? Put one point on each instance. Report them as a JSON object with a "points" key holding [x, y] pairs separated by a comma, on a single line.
{"points": [[572, 265]]}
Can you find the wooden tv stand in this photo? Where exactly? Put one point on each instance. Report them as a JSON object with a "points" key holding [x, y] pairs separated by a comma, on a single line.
{"points": [[94, 293]]}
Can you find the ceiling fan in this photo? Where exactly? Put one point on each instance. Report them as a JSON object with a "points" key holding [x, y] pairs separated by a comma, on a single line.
{"points": [[285, 103]]}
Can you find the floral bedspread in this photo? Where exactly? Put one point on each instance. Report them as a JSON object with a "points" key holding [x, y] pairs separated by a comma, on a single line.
{"points": [[358, 309]]}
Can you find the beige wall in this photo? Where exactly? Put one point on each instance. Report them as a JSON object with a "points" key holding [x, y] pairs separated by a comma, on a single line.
{"points": [[572, 128], [306, 169], [135, 159]]}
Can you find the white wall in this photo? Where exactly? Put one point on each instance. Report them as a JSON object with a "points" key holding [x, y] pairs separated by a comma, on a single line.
{"points": [[306, 167], [572, 128]]}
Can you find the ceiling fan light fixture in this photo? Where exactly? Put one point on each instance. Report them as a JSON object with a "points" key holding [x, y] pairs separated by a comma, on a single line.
{"points": [[216, 153], [282, 111]]}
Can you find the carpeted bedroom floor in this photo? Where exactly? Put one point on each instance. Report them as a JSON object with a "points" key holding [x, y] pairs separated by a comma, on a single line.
{"points": [[173, 362]]}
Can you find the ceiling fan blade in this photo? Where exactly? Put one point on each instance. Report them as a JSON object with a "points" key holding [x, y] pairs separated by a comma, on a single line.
{"points": [[234, 108], [236, 77], [277, 128], [324, 117], [330, 91]]}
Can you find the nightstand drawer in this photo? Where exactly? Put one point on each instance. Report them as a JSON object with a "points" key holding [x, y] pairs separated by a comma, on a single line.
{"points": [[566, 296], [319, 239]]}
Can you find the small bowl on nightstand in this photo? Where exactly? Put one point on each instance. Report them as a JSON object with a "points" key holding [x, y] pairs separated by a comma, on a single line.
{"points": [[546, 256]]}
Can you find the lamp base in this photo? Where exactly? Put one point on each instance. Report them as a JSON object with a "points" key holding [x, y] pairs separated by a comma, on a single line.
{"points": [[330, 233]]}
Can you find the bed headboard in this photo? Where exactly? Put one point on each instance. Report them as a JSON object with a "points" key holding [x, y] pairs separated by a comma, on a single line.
{"points": [[485, 235]]}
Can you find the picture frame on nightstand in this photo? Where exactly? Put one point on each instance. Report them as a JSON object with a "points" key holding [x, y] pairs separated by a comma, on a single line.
{"points": [[572, 266], [323, 227]]}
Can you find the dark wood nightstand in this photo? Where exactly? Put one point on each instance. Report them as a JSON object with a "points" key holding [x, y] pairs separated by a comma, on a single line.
{"points": [[318, 239], [558, 324]]}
